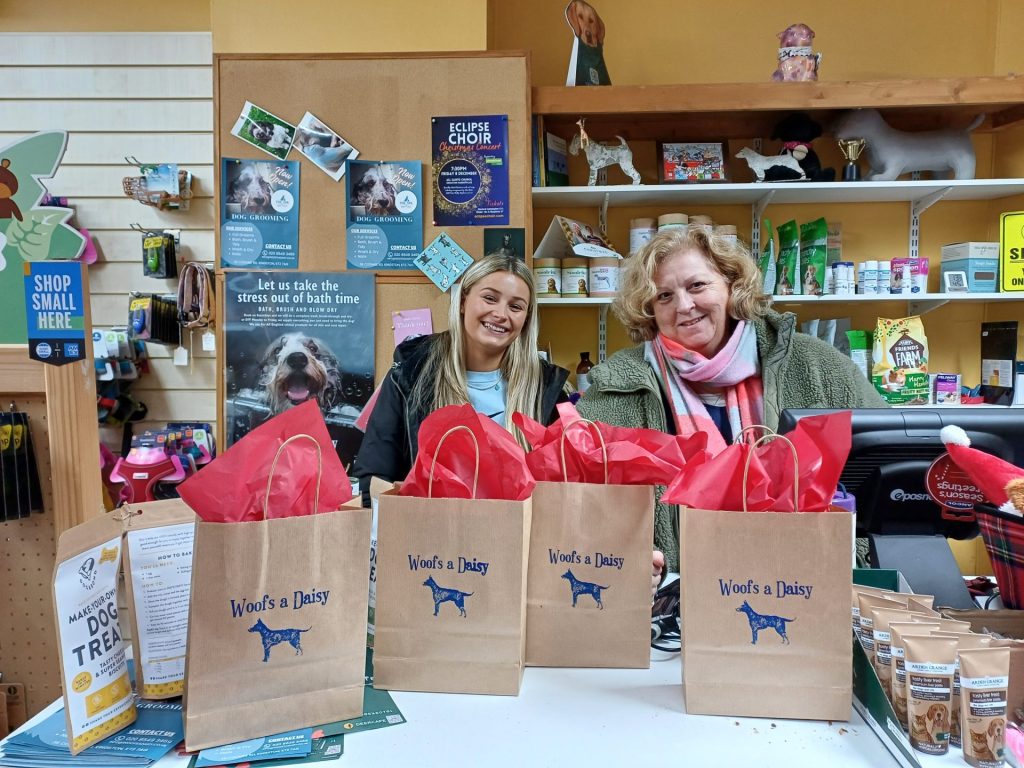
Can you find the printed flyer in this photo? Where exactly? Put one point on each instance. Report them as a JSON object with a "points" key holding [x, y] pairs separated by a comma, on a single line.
{"points": [[98, 692], [384, 214], [161, 569], [56, 311], [293, 337], [470, 170], [259, 214]]}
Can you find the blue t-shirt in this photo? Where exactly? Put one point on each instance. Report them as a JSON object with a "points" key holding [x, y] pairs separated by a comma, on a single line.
{"points": [[487, 393]]}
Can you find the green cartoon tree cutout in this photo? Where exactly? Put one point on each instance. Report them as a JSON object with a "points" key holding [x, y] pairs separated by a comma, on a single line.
{"points": [[28, 231]]}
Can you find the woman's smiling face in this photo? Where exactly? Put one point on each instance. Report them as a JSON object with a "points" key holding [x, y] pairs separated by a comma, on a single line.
{"points": [[690, 302], [494, 311]]}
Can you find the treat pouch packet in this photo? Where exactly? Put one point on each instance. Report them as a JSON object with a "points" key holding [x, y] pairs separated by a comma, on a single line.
{"points": [[984, 683], [787, 278], [930, 663], [900, 370], [964, 641], [865, 626], [813, 257], [897, 631], [856, 590], [881, 618], [97, 692], [767, 263], [158, 538]]}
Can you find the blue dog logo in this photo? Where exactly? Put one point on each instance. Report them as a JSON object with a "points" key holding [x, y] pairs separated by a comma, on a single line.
{"points": [[759, 621], [444, 595], [272, 637], [584, 588]]}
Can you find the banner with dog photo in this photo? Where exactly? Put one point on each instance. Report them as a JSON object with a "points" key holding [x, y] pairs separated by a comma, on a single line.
{"points": [[384, 214], [259, 214], [470, 170], [297, 336]]}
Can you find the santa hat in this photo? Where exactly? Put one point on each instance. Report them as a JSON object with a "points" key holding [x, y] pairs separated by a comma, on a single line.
{"points": [[989, 473]]}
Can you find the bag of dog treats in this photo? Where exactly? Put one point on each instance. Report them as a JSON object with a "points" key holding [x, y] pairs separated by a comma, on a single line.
{"points": [[897, 631], [900, 370], [930, 664], [964, 641], [767, 263], [789, 260], [813, 257], [984, 680]]}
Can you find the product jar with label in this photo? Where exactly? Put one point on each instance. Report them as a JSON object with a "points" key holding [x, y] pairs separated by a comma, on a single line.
{"points": [[640, 231], [547, 277], [575, 277], [673, 221], [604, 276]]}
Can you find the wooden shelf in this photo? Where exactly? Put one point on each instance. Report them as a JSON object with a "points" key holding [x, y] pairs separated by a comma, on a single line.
{"points": [[814, 192], [715, 111]]}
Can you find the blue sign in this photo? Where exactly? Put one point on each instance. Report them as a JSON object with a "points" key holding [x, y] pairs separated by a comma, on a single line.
{"points": [[384, 214], [55, 311], [259, 214], [470, 170]]}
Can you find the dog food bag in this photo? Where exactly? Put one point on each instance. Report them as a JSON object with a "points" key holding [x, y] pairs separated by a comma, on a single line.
{"points": [[158, 578], [965, 641], [866, 626], [881, 618], [897, 631], [984, 679], [767, 263], [97, 693], [813, 257], [930, 664], [788, 270], [900, 370]]}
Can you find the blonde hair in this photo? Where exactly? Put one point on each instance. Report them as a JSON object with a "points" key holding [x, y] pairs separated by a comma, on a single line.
{"points": [[445, 369], [632, 306]]}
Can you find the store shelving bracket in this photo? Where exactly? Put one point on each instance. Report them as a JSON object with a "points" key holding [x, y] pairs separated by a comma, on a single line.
{"points": [[917, 207]]}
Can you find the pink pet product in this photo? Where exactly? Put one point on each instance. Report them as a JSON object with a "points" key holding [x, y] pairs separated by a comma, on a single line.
{"points": [[797, 62]]}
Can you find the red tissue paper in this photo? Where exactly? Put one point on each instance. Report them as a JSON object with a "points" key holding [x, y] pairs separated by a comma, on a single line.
{"points": [[493, 468], [233, 487], [634, 456], [822, 444]]}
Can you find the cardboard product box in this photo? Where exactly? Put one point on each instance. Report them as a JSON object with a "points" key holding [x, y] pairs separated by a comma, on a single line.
{"points": [[970, 250], [982, 273]]}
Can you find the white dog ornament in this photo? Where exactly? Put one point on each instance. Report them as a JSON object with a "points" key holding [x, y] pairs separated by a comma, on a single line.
{"points": [[761, 163], [602, 155]]}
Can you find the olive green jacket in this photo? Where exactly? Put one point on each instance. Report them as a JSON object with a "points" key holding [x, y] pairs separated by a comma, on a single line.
{"points": [[797, 371]]}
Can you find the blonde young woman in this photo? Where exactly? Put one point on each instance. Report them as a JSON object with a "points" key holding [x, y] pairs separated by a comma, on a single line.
{"points": [[712, 357], [488, 359]]}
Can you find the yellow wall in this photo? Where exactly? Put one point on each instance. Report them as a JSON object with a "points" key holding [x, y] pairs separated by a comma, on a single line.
{"points": [[105, 16]]}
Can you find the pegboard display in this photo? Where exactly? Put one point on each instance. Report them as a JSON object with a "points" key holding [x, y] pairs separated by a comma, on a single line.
{"points": [[28, 644]]}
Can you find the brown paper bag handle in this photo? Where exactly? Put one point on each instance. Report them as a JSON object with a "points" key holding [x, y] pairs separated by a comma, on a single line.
{"points": [[742, 436], [433, 461], [796, 467], [319, 470], [600, 438]]}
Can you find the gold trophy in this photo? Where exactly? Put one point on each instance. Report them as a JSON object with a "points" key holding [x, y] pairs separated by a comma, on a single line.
{"points": [[851, 149]]}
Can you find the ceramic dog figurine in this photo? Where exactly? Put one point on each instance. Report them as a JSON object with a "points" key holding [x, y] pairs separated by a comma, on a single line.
{"points": [[602, 155], [796, 61], [760, 164], [891, 153]]}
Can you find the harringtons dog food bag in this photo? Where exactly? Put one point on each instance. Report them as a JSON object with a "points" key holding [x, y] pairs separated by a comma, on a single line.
{"points": [[788, 272], [813, 257]]}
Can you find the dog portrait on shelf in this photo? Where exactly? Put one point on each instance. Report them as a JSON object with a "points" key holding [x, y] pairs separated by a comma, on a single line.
{"points": [[586, 64], [291, 338]]}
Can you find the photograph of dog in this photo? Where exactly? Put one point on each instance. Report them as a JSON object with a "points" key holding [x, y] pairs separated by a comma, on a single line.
{"points": [[295, 368], [247, 187], [325, 148], [812, 287], [585, 22], [373, 191], [264, 130]]}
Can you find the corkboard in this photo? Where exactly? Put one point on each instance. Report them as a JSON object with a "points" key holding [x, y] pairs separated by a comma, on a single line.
{"points": [[28, 648], [382, 105]]}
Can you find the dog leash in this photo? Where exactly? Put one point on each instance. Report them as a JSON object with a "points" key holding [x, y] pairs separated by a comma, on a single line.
{"points": [[195, 301]]}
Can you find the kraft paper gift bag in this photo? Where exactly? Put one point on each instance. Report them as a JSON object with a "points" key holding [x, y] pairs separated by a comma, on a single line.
{"points": [[277, 632], [765, 613], [451, 593], [588, 588]]}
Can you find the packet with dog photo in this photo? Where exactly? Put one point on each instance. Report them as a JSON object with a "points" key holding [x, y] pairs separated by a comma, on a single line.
{"points": [[984, 680], [930, 663], [264, 130]]}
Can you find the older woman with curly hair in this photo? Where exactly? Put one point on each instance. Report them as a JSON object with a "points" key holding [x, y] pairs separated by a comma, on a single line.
{"points": [[712, 357]]}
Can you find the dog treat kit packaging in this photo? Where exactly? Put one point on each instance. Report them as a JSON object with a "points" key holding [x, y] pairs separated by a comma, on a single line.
{"points": [[94, 673], [277, 629]]}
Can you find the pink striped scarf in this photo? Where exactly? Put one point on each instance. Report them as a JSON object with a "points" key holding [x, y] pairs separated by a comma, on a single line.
{"points": [[735, 368]]}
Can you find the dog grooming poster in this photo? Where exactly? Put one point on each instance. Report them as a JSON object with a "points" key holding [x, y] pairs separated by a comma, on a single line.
{"points": [[384, 214], [259, 214], [470, 170], [297, 336]]}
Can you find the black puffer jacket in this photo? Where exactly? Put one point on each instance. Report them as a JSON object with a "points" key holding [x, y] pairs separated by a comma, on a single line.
{"points": [[390, 443]]}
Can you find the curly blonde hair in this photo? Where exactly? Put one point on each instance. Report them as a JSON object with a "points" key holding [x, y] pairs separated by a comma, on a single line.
{"points": [[632, 306]]}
